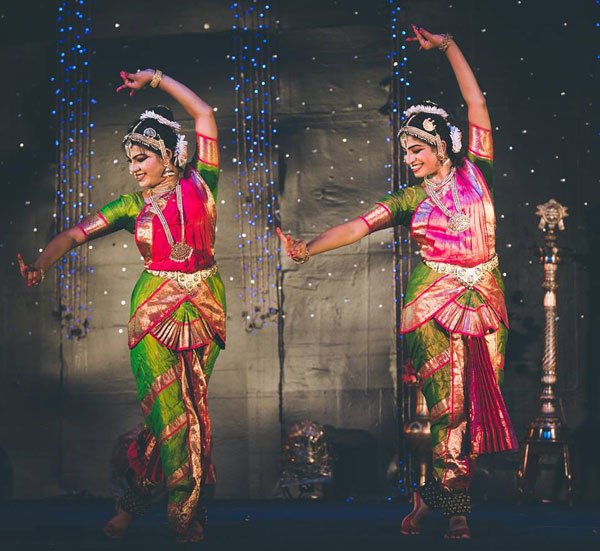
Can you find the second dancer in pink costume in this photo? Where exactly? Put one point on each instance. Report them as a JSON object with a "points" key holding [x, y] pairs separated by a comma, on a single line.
{"points": [[454, 315]]}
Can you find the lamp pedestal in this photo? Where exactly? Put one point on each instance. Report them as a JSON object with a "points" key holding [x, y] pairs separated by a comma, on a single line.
{"points": [[547, 434]]}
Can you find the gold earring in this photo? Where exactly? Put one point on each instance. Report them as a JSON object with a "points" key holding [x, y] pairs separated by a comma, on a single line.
{"points": [[167, 172]]}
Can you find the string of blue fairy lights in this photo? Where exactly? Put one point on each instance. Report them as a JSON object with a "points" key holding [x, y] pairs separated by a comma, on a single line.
{"points": [[73, 149], [255, 85], [400, 96]]}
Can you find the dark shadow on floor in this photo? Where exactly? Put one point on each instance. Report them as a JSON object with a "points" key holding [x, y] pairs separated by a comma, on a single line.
{"points": [[67, 524]]}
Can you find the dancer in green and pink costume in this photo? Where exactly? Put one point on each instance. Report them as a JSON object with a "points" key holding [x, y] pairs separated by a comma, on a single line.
{"points": [[454, 316], [177, 323]]}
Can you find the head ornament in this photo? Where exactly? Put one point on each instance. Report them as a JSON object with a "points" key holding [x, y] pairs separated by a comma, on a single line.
{"points": [[152, 139], [427, 131]]}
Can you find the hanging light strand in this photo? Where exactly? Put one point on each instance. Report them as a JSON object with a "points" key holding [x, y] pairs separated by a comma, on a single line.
{"points": [[255, 90], [402, 249], [73, 149]]}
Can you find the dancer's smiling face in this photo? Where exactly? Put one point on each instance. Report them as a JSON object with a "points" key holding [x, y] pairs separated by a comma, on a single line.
{"points": [[146, 166], [421, 157]]}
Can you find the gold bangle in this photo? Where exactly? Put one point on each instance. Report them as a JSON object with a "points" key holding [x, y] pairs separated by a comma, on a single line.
{"points": [[156, 78], [303, 260], [445, 42], [43, 272]]}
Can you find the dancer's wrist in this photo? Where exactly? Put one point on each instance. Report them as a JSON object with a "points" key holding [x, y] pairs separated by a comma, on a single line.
{"points": [[447, 42], [157, 76], [302, 259]]}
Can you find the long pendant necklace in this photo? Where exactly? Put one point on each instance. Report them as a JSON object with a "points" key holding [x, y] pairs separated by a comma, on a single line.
{"points": [[456, 222], [180, 251]]}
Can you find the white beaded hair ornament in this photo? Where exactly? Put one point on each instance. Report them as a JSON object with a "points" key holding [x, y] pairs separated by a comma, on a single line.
{"points": [[149, 114]]}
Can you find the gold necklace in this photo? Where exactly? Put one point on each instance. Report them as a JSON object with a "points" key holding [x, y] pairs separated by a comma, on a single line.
{"points": [[456, 222], [180, 251]]}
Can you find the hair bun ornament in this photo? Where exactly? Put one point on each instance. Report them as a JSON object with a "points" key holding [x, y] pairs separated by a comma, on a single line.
{"points": [[456, 137]]}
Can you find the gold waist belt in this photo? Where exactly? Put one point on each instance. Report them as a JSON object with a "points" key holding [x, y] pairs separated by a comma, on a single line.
{"points": [[186, 281], [467, 276]]}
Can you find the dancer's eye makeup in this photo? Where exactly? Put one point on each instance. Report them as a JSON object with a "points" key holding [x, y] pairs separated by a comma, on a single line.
{"points": [[140, 158]]}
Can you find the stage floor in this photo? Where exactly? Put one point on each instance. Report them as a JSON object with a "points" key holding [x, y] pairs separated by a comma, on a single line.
{"points": [[75, 524]]}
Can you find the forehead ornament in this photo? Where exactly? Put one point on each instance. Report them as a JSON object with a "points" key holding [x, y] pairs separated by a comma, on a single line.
{"points": [[150, 133]]}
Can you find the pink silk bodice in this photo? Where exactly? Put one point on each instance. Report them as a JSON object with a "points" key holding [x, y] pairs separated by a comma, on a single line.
{"points": [[199, 218], [429, 225], [468, 311]]}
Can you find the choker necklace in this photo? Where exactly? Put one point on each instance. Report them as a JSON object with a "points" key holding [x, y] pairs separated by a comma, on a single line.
{"points": [[164, 187], [180, 251], [456, 222]]}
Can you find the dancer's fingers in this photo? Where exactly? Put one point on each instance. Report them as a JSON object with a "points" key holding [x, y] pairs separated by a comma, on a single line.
{"points": [[421, 38], [422, 41], [280, 234], [122, 87], [284, 239], [425, 33], [22, 265]]}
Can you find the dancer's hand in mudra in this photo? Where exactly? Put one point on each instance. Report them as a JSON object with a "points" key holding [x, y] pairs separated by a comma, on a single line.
{"points": [[294, 248], [135, 81], [31, 274], [426, 40]]}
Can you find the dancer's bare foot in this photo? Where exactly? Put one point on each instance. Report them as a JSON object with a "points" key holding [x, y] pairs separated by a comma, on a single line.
{"points": [[459, 529], [411, 524], [117, 526], [194, 534]]}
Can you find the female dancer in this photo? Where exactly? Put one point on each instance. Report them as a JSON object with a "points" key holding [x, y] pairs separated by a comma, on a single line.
{"points": [[454, 315], [177, 324]]}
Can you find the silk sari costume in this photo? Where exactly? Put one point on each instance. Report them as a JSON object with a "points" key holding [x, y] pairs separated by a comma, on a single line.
{"points": [[455, 322], [176, 331]]}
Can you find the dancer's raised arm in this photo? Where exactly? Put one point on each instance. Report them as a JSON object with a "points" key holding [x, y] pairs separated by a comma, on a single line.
{"points": [[469, 88], [198, 109]]}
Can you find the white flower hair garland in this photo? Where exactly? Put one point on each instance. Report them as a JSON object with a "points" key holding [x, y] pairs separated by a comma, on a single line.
{"points": [[162, 120], [431, 109]]}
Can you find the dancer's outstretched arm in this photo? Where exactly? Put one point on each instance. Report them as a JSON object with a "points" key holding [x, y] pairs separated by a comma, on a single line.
{"points": [[333, 238], [198, 109], [469, 88], [58, 246]]}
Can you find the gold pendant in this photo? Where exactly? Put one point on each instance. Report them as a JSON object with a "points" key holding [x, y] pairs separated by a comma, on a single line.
{"points": [[180, 252], [459, 222]]}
